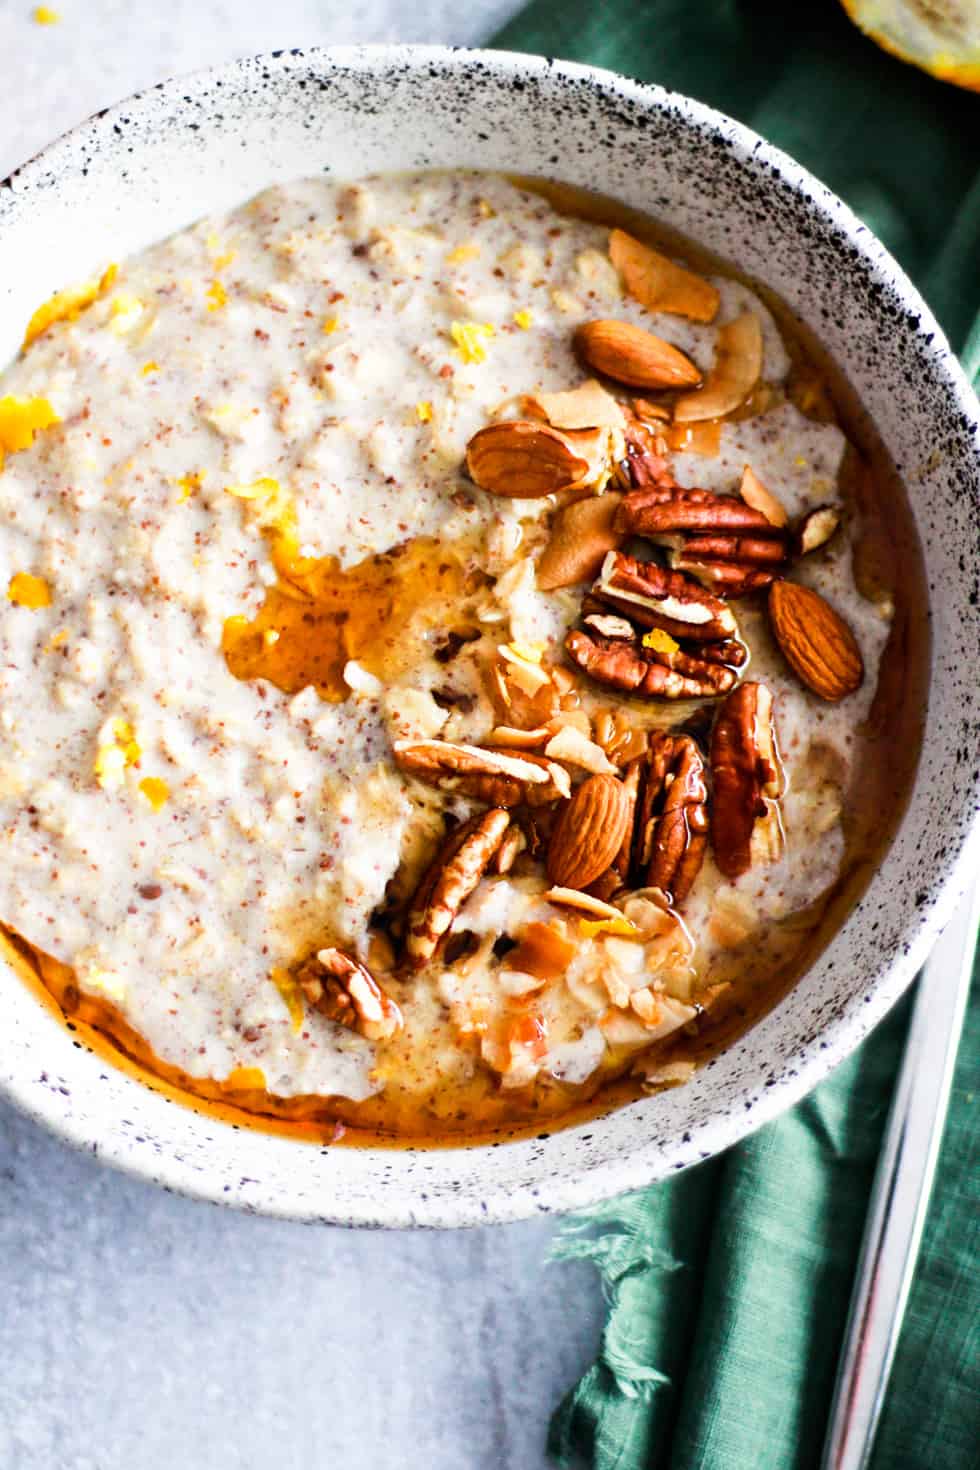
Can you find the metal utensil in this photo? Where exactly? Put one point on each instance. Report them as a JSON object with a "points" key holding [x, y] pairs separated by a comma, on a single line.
{"points": [[900, 1196]]}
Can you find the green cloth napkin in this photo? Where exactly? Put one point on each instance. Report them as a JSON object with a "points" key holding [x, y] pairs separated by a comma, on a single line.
{"points": [[728, 1285]]}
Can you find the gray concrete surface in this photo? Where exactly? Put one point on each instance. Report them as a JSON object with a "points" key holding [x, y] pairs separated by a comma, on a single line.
{"points": [[139, 1331]]}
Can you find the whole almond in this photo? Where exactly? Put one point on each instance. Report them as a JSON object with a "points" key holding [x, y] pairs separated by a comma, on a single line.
{"points": [[816, 642], [633, 356], [523, 460], [581, 534], [589, 832]]}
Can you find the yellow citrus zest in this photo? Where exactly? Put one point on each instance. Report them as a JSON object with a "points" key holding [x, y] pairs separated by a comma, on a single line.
{"points": [[156, 791], [292, 996], [217, 296], [463, 253], [589, 928], [27, 591], [20, 420], [524, 320], [470, 339], [330, 326], [660, 641], [65, 306], [116, 754], [44, 16], [423, 412], [187, 484]]}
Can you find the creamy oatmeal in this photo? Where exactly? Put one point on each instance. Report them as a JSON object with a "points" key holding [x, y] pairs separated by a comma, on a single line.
{"points": [[434, 670]]}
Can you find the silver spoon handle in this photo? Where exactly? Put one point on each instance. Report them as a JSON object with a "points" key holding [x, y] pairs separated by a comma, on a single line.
{"points": [[900, 1196]]}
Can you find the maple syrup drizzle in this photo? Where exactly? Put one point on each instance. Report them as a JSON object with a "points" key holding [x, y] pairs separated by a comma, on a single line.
{"points": [[319, 616]]}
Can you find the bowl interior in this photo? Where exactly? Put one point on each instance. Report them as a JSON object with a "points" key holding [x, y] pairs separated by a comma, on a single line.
{"points": [[154, 164]]}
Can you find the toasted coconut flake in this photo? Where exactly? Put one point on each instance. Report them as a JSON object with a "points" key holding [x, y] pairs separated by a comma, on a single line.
{"points": [[529, 677], [581, 535], [660, 284], [755, 494], [509, 736], [574, 898], [570, 745], [664, 1074], [588, 406], [736, 370]]}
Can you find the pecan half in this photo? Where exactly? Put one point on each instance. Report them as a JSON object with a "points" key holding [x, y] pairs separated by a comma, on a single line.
{"points": [[448, 882], [662, 510], [745, 774], [672, 826], [657, 598], [748, 550], [726, 577], [648, 672], [498, 777], [346, 992]]}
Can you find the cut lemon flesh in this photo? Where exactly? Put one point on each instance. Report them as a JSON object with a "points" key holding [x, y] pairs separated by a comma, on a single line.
{"points": [[941, 36]]}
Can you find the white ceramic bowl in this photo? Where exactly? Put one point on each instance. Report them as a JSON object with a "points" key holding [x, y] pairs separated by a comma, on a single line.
{"points": [[152, 165]]}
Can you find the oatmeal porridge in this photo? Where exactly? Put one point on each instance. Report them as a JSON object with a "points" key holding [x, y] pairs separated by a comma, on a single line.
{"points": [[448, 651]]}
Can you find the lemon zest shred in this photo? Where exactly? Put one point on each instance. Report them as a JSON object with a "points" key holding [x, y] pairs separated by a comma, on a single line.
{"points": [[589, 928], [155, 790], [149, 367], [330, 325], [292, 996], [66, 305], [187, 484], [20, 420], [423, 411], [115, 755], [463, 253], [25, 590], [660, 641], [470, 339], [524, 320], [217, 296], [43, 15]]}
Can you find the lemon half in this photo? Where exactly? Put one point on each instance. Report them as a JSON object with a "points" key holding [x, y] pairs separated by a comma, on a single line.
{"points": [[941, 36]]}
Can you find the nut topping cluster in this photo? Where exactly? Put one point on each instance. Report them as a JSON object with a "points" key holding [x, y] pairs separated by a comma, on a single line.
{"points": [[608, 811]]}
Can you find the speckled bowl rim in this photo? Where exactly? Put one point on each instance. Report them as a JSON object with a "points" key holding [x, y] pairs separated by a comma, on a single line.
{"points": [[749, 1107]]}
